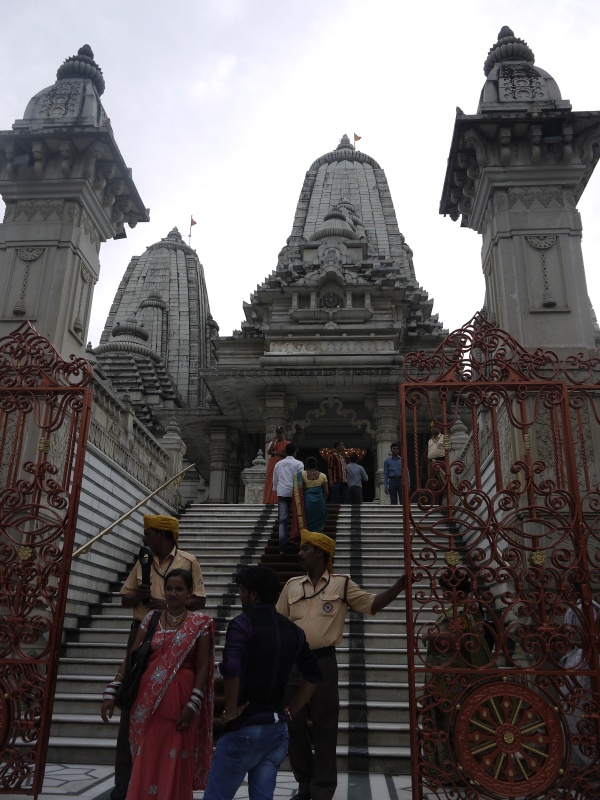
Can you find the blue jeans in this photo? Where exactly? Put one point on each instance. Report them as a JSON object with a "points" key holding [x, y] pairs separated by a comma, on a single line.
{"points": [[258, 750], [283, 512]]}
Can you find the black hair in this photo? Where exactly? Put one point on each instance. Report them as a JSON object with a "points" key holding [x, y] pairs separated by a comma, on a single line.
{"points": [[185, 575], [311, 463], [335, 444], [353, 457], [262, 580], [395, 444], [290, 449]]}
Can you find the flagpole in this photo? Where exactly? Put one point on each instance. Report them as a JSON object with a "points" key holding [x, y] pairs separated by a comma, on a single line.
{"points": [[192, 223]]}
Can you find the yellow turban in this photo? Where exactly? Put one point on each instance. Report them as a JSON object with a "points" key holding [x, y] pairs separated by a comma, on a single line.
{"points": [[321, 542], [161, 522]]}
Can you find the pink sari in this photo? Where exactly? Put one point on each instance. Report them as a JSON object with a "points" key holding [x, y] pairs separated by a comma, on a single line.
{"points": [[167, 763]]}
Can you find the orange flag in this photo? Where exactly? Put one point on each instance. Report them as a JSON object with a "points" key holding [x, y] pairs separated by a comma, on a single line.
{"points": [[356, 137], [192, 221]]}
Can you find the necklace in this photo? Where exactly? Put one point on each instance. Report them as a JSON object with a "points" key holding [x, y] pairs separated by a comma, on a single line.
{"points": [[174, 620]]}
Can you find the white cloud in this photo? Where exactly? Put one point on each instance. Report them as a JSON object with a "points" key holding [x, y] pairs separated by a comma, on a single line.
{"points": [[215, 78]]}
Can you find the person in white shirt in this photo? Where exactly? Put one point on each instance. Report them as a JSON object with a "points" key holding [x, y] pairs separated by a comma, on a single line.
{"points": [[283, 486], [356, 477]]}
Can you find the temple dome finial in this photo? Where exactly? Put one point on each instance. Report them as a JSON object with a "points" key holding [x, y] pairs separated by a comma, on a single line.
{"points": [[345, 143], [82, 66], [508, 48]]}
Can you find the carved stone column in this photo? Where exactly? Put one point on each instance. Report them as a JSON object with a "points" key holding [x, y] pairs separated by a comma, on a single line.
{"points": [[219, 463], [385, 409], [276, 409]]}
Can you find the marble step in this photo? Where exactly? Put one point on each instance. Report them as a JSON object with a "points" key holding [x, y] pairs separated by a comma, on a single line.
{"points": [[77, 750], [88, 706]]}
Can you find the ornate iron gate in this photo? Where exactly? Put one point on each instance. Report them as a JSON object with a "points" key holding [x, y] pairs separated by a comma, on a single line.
{"points": [[504, 556], [44, 417]]}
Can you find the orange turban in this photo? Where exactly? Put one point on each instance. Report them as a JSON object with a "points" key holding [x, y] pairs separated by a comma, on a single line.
{"points": [[321, 542], [161, 522]]}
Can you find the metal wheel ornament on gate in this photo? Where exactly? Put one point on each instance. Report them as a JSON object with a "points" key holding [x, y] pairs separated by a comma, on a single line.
{"points": [[502, 543], [45, 407]]}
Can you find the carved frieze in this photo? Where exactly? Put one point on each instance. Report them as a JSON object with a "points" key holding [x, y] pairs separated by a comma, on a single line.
{"points": [[62, 99], [520, 82], [45, 208], [531, 197], [335, 346]]}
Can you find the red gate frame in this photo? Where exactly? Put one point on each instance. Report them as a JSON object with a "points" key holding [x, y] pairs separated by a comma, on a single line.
{"points": [[38, 515], [480, 356]]}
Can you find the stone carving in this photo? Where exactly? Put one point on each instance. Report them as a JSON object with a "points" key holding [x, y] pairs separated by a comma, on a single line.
{"points": [[28, 255], [290, 347], [90, 229], [62, 99], [520, 82], [331, 300], [86, 277], [528, 196], [45, 208], [338, 407], [543, 243]]}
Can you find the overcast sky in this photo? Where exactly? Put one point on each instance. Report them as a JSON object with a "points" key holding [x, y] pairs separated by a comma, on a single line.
{"points": [[220, 107]]}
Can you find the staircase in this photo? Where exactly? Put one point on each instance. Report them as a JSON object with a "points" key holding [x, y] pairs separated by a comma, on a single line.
{"points": [[222, 538], [374, 721]]}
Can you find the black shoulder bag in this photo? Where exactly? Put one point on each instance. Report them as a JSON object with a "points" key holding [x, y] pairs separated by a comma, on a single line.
{"points": [[128, 688]]}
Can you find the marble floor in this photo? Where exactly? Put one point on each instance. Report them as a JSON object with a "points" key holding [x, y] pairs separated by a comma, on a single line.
{"points": [[96, 783]]}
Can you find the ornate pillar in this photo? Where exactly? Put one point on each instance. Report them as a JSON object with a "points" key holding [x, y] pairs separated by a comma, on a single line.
{"points": [[276, 409], [67, 190], [515, 174], [385, 409], [236, 464], [219, 463], [174, 446]]}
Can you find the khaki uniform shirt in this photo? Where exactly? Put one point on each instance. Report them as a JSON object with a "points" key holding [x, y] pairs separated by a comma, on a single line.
{"points": [[322, 614], [177, 559], [435, 447]]}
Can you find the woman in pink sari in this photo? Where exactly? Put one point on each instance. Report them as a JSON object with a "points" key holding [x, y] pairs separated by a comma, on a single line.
{"points": [[171, 717]]}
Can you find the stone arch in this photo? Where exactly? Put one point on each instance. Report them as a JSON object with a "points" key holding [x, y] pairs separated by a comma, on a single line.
{"points": [[337, 405]]}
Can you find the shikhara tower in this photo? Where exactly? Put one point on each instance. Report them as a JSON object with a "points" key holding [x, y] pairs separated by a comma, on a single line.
{"points": [[319, 349]]}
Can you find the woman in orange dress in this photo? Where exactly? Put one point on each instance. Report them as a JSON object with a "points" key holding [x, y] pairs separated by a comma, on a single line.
{"points": [[275, 452]]}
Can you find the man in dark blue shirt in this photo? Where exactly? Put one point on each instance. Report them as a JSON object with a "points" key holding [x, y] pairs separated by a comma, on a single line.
{"points": [[392, 475], [261, 647]]}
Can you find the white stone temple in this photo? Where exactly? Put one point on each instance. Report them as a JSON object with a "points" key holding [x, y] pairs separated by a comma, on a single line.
{"points": [[324, 335]]}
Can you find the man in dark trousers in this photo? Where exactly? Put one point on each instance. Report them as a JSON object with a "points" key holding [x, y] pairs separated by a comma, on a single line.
{"points": [[392, 475], [318, 602], [161, 535], [261, 648]]}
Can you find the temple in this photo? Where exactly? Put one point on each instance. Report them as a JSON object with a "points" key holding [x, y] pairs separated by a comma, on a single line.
{"points": [[318, 351], [330, 341]]}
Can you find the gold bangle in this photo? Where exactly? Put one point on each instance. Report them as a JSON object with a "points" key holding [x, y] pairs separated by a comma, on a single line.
{"points": [[225, 718]]}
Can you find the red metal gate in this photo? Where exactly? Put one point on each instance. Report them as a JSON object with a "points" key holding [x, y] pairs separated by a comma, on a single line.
{"points": [[44, 417], [503, 547]]}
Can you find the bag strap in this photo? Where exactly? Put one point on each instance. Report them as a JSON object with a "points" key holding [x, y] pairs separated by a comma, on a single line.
{"points": [[153, 625], [346, 589]]}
